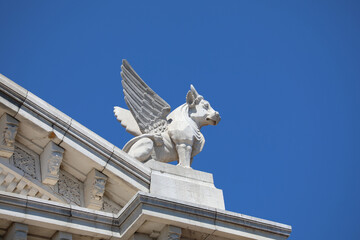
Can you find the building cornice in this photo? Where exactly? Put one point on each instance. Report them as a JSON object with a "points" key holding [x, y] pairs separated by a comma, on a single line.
{"points": [[111, 158], [141, 208]]}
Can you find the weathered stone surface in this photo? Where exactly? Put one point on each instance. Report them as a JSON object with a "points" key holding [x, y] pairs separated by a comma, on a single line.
{"points": [[40, 123], [141, 209], [26, 160], [170, 233], [17, 231], [70, 188], [185, 184], [14, 180], [110, 206], [179, 171], [139, 236], [50, 160], [62, 236], [8, 130], [94, 188]]}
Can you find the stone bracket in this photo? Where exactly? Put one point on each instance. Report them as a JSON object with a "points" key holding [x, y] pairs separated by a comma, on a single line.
{"points": [[94, 188], [8, 130], [17, 231], [170, 233], [62, 236], [50, 160]]}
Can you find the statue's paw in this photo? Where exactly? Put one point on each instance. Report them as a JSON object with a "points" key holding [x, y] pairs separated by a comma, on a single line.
{"points": [[183, 166], [158, 140]]}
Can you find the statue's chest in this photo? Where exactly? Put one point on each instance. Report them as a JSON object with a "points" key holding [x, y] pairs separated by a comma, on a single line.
{"points": [[198, 144]]}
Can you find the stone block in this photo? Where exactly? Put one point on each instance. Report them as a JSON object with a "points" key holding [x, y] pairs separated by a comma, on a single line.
{"points": [[62, 236], [50, 160], [94, 188], [140, 236], [8, 130], [193, 186], [170, 233], [17, 231]]}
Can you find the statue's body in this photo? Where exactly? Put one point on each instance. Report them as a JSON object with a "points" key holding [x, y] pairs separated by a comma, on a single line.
{"points": [[159, 135]]}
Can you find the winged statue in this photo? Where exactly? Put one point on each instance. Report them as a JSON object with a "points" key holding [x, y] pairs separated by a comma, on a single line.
{"points": [[160, 134]]}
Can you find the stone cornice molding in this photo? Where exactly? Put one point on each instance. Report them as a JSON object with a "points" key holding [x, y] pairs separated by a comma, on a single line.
{"points": [[142, 207], [111, 158]]}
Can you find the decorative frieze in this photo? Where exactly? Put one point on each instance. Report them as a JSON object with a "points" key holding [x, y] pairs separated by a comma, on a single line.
{"points": [[110, 206], [26, 160], [8, 130], [170, 233], [50, 160], [94, 188], [70, 188], [17, 231]]}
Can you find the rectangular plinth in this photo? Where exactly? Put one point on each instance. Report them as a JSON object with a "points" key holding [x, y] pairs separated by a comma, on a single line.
{"points": [[185, 184]]}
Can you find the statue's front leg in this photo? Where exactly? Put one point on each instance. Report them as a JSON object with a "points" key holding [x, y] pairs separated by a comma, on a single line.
{"points": [[184, 153]]}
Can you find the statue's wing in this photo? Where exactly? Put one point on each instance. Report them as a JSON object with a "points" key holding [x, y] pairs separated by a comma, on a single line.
{"points": [[148, 109], [127, 120]]}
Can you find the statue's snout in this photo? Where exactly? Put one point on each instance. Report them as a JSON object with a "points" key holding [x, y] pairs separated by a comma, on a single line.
{"points": [[214, 118]]}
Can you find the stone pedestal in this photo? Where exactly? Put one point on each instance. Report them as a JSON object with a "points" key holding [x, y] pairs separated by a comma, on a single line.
{"points": [[184, 184]]}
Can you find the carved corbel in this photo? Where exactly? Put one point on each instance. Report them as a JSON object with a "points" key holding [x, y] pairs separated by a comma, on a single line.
{"points": [[62, 236], [140, 236], [94, 189], [8, 128], [170, 233], [50, 160], [17, 231]]}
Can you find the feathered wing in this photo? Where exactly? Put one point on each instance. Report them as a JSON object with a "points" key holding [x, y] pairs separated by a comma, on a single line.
{"points": [[148, 109], [127, 120]]}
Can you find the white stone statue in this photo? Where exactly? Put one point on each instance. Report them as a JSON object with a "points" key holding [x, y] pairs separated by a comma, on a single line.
{"points": [[159, 135]]}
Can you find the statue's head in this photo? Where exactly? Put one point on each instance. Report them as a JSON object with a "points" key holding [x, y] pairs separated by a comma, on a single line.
{"points": [[200, 110]]}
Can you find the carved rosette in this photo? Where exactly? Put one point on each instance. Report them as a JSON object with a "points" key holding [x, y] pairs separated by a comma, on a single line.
{"points": [[8, 130], [50, 160], [94, 189]]}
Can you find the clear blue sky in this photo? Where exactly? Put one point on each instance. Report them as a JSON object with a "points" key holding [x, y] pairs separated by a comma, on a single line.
{"points": [[284, 75]]}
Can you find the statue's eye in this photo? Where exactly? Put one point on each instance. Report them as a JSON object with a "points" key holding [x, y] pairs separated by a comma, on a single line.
{"points": [[206, 106]]}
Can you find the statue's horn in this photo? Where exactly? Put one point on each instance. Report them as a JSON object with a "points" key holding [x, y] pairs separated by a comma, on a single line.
{"points": [[193, 90]]}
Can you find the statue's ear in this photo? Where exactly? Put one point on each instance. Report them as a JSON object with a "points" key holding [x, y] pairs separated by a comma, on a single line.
{"points": [[190, 99], [193, 90]]}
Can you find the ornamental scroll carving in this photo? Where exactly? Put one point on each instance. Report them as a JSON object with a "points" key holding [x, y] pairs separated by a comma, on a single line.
{"points": [[8, 130]]}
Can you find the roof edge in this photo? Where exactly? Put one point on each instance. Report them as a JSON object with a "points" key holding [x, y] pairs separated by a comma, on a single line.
{"points": [[18, 97]]}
